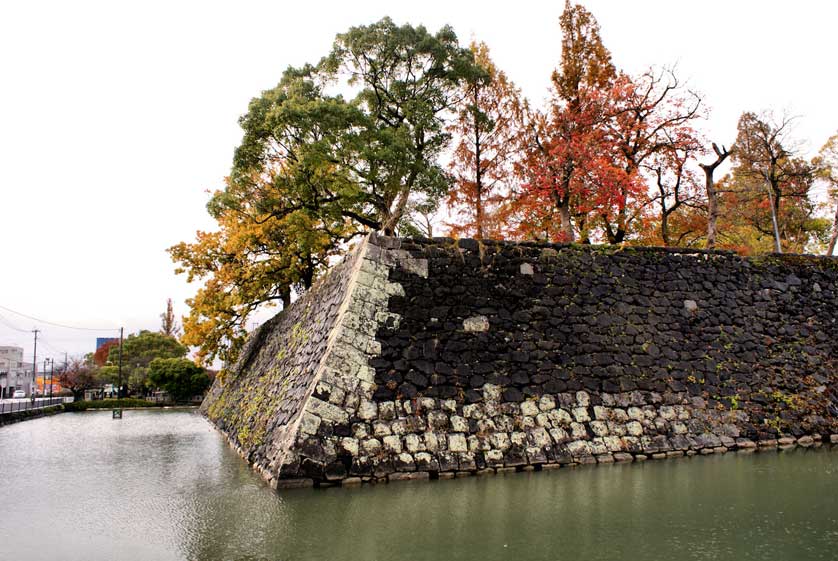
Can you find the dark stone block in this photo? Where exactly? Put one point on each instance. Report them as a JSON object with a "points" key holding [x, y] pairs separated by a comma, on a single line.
{"points": [[417, 379], [335, 470], [515, 456], [473, 396], [446, 392], [312, 469], [477, 381], [407, 391], [383, 393], [468, 244], [519, 378], [554, 386], [423, 366], [447, 461]]}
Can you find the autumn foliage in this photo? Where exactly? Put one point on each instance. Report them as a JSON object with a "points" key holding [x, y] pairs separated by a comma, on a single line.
{"points": [[485, 128], [100, 357], [437, 136]]}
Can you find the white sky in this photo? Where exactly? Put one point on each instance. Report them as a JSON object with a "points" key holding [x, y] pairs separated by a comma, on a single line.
{"points": [[117, 117]]}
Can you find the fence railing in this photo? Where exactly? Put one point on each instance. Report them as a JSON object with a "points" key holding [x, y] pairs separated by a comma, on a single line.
{"points": [[16, 405]]}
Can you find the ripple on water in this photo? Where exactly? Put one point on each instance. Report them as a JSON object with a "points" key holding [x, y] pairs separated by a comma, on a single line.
{"points": [[163, 485]]}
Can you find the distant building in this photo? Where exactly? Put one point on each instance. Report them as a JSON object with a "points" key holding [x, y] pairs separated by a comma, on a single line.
{"points": [[42, 384], [14, 373], [105, 340]]}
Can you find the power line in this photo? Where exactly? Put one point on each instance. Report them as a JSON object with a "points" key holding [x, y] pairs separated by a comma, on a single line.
{"points": [[58, 324], [48, 345], [11, 326], [55, 349]]}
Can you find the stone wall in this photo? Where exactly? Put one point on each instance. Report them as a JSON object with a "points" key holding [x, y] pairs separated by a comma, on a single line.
{"points": [[259, 402], [425, 358]]}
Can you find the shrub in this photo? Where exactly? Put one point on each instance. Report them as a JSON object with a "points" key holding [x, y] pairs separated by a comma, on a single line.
{"points": [[109, 404]]}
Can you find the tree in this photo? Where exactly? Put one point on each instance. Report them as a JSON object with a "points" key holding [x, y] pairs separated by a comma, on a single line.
{"points": [[766, 161], [100, 357], [561, 147], [298, 156], [826, 164], [246, 265], [408, 79], [138, 350], [652, 117], [712, 195], [289, 206], [745, 218], [585, 62], [180, 377], [77, 376], [168, 322], [418, 222], [676, 185], [257, 258], [588, 164], [485, 129], [314, 171]]}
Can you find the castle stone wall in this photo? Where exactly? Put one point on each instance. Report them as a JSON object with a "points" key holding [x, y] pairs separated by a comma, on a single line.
{"points": [[425, 358]]}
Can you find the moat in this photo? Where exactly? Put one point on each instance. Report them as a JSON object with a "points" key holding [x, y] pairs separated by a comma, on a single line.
{"points": [[164, 485]]}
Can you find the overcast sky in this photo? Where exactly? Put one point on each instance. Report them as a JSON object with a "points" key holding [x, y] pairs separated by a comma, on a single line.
{"points": [[116, 118]]}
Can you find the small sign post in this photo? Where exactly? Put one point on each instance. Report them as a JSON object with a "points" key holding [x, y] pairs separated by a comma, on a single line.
{"points": [[117, 413]]}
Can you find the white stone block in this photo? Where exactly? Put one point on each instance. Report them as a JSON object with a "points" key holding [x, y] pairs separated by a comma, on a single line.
{"points": [[457, 443]]}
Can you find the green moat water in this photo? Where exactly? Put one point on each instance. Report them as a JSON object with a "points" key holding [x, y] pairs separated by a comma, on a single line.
{"points": [[163, 485]]}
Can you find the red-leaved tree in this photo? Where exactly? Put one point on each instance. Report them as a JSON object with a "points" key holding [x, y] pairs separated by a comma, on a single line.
{"points": [[562, 148], [651, 120], [100, 357], [485, 130]]}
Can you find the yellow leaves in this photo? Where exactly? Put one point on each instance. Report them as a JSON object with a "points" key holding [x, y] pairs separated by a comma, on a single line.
{"points": [[269, 242]]}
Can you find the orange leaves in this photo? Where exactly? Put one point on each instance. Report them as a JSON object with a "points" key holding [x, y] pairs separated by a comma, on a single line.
{"points": [[485, 131], [592, 160]]}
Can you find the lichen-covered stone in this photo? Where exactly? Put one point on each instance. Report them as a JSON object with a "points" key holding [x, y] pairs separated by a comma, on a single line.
{"points": [[436, 356]]}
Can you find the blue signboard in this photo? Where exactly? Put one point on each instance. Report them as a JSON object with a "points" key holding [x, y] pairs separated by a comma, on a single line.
{"points": [[104, 341]]}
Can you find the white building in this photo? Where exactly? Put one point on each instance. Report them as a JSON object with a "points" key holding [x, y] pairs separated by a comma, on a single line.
{"points": [[14, 373]]}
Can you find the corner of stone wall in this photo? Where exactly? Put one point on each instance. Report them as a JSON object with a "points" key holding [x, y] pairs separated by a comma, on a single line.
{"points": [[344, 427], [345, 381]]}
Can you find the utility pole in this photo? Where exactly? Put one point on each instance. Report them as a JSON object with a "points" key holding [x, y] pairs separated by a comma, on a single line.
{"points": [[119, 374], [34, 360], [117, 413], [51, 374]]}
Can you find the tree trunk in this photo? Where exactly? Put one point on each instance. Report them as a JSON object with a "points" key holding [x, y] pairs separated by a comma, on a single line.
{"points": [[567, 225], [388, 226], [618, 235], [712, 196], [478, 216], [712, 207], [478, 176], [665, 228], [834, 238], [563, 206], [775, 210]]}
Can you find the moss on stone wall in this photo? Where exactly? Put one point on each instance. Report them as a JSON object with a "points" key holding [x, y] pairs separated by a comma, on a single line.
{"points": [[465, 355]]}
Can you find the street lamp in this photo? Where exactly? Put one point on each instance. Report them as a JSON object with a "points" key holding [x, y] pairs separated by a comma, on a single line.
{"points": [[51, 372]]}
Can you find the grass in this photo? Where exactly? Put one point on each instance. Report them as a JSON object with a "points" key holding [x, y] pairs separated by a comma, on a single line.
{"points": [[110, 404]]}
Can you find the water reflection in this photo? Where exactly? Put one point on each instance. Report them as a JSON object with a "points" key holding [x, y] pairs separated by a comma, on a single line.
{"points": [[163, 485]]}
